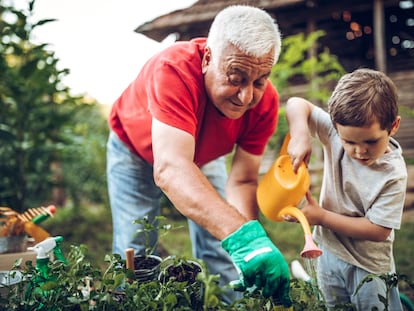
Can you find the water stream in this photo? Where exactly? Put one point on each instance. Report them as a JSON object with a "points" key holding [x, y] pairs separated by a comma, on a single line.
{"points": [[310, 268]]}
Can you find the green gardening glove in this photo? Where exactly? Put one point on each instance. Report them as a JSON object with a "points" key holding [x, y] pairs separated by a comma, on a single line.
{"points": [[259, 261]]}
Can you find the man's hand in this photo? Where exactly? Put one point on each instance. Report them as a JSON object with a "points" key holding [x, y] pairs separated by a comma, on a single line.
{"points": [[259, 261]]}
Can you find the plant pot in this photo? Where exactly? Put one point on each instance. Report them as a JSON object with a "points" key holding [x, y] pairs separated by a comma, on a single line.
{"points": [[13, 244], [185, 271], [9, 279], [147, 268]]}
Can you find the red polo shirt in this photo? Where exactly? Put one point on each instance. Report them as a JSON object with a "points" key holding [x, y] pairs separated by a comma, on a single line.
{"points": [[170, 87]]}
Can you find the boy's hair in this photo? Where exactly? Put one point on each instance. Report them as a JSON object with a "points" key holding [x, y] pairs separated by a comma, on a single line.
{"points": [[363, 97], [250, 29]]}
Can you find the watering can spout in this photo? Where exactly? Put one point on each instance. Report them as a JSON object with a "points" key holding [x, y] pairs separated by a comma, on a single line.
{"points": [[281, 190], [310, 250]]}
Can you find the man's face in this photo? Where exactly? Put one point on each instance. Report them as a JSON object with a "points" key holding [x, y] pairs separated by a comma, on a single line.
{"points": [[365, 144], [235, 82]]}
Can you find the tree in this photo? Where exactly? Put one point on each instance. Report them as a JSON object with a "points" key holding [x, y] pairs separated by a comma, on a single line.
{"points": [[38, 129], [319, 72]]}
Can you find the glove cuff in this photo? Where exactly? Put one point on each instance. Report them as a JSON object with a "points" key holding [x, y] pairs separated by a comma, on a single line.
{"points": [[248, 232]]}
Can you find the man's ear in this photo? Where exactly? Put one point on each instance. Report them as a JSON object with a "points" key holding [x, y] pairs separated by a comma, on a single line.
{"points": [[206, 59], [395, 126]]}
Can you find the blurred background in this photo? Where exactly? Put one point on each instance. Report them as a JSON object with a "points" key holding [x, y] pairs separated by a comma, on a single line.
{"points": [[63, 63]]}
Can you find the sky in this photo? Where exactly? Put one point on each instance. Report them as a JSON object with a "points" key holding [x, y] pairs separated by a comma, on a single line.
{"points": [[95, 40]]}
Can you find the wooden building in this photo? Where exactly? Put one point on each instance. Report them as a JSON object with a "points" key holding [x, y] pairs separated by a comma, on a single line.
{"points": [[377, 34]]}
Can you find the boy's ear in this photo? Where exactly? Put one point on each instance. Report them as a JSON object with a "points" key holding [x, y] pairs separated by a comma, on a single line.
{"points": [[395, 126]]}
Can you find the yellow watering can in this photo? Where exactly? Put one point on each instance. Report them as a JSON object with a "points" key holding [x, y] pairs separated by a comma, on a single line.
{"points": [[281, 190]]}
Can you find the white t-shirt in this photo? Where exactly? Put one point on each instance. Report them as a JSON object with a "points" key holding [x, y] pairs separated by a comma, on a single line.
{"points": [[376, 192]]}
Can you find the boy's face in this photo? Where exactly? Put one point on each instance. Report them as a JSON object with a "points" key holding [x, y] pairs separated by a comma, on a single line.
{"points": [[366, 144]]}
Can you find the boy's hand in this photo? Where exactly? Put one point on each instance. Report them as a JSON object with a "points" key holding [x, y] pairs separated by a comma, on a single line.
{"points": [[299, 150], [312, 211]]}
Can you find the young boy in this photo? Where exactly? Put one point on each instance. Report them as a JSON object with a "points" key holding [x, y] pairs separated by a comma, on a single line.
{"points": [[363, 188]]}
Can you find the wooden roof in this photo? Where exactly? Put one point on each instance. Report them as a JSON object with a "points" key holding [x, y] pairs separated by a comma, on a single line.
{"points": [[200, 13], [196, 19]]}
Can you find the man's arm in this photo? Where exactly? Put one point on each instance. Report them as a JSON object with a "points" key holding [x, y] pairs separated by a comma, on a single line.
{"points": [[259, 260], [186, 186], [242, 183]]}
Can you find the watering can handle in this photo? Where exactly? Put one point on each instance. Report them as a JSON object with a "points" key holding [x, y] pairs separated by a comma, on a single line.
{"points": [[283, 149]]}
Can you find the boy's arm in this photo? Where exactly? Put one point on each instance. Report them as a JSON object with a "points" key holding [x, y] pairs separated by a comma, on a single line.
{"points": [[355, 227], [298, 111]]}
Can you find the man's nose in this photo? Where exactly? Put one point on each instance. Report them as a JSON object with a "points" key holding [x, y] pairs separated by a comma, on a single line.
{"points": [[246, 94]]}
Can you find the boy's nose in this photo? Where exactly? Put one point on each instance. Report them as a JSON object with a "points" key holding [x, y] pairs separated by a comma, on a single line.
{"points": [[360, 150]]}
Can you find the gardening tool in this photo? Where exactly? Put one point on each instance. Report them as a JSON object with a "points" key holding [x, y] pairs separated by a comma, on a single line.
{"points": [[32, 217], [281, 190], [15, 227], [38, 214]]}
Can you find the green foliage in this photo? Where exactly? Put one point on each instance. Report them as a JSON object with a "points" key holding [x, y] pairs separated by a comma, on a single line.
{"points": [[295, 62], [79, 285], [406, 111], [90, 225], [41, 124], [275, 142], [390, 280], [107, 275], [84, 159], [305, 296], [31, 120], [319, 72], [287, 236], [148, 227]]}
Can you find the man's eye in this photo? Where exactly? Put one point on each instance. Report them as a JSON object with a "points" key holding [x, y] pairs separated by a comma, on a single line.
{"points": [[260, 83], [235, 79], [235, 82]]}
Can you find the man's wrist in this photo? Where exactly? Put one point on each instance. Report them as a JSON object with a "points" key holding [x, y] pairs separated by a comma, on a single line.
{"points": [[246, 233]]}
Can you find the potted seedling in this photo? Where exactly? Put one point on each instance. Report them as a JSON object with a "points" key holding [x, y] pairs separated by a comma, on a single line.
{"points": [[147, 266], [185, 271]]}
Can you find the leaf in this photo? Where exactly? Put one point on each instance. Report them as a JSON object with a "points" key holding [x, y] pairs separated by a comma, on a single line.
{"points": [[119, 280], [44, 21]]}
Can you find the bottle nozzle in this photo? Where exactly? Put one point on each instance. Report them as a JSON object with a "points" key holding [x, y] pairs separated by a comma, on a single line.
{"points": [[47, 246]]}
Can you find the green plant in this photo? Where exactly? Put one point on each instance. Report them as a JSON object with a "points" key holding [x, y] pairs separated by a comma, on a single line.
{"points": [[35, 107], [79, 285], [296, 61], [50, 141], [318, 72], [390, 280], [150, 227]]}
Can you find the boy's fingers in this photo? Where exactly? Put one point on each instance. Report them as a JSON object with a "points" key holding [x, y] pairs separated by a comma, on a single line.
{"points": [[309, 197]]}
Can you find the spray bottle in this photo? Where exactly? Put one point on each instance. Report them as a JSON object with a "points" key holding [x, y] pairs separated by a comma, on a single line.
{"points": [[44, 251], [48, 249]]}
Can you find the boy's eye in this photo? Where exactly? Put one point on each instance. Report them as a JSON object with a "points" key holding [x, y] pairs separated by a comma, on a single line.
{"points": [[368, 142], [348, 142]]}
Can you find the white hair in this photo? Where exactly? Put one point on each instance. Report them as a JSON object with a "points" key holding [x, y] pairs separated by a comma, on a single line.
{"points": [[250, 29]]}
